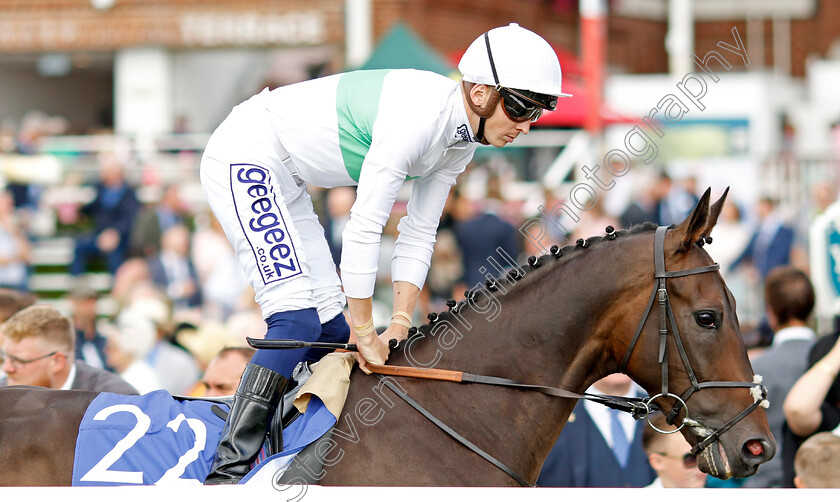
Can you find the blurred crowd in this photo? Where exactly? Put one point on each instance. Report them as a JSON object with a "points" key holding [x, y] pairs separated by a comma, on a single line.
{"points": [[182, 307]]}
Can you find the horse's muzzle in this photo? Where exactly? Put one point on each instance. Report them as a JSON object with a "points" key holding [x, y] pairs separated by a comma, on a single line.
{"points": [[740, 463]]}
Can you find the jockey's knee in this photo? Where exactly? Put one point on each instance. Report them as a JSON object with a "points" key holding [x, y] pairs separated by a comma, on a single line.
{"points": [[293, 324], [336, 330]]}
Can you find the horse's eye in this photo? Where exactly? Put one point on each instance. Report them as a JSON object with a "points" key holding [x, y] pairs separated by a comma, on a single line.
{"points": [[705, 319]]}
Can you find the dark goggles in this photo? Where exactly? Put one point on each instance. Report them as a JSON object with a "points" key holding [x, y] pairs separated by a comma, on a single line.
{"points": [[522, 106], [689, 460]]}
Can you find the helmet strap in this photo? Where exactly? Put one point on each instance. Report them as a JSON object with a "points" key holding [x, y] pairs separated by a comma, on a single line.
{"points": [[489, 107], [479, 135], [484, 111]]}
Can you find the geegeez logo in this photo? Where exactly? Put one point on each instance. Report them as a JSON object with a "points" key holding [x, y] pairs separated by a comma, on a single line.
{"points": [[462, 133], [261, 218]]}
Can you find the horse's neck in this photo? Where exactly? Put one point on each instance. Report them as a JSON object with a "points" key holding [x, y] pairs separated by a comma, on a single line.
{"points": [[550, 329], [545, 332]]}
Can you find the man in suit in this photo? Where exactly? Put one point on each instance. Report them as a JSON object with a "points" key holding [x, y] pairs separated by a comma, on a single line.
{"points": [[38, 349], [173, 270], [789, 299], [600, 447], [482, 233], [113, 212], [90, 343], [771, 244], [155, 219]]}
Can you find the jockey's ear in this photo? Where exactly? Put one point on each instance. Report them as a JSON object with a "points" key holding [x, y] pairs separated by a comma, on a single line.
{"points": [[714, 213], [694, 225]]}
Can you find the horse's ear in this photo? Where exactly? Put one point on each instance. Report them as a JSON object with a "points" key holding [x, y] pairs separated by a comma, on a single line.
{"points": [[714, 213], [691, 229]]}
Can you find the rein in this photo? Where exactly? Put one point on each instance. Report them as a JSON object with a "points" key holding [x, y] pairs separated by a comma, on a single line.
{"points": [[638, 407]]}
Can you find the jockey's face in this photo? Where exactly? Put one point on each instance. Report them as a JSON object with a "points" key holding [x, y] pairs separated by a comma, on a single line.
{"points": [[500, 130]]}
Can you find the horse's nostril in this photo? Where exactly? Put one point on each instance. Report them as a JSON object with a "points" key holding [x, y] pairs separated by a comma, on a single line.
{"points": [[757, 451], [755, 447]]}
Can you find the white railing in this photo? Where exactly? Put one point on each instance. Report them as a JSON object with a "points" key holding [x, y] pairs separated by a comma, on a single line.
{"points": [[793, 180]]}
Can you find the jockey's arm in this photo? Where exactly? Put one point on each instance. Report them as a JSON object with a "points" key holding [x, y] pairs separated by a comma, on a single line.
{"points": [[375, 348]]}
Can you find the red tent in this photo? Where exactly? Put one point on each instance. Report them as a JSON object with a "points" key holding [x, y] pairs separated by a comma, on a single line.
{"points": [[571, 111]]}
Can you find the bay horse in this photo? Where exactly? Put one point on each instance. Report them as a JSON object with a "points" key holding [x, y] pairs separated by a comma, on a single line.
{"points": [[563, 321]]}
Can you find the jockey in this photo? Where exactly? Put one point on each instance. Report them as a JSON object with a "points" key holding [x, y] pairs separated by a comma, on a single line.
{"points": [[372, 129]]}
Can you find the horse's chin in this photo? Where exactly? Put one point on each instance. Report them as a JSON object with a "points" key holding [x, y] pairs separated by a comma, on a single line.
{"points": [[714, 460]]}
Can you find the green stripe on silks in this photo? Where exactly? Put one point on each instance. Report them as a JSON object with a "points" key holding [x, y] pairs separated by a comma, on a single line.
{"points": [[357, 103]]}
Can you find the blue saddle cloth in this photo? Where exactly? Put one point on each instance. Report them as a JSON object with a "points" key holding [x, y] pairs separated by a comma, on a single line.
{"points": [[157, 439]]}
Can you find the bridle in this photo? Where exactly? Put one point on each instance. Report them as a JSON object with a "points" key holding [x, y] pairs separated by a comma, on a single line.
{"points": [[666, 316]]}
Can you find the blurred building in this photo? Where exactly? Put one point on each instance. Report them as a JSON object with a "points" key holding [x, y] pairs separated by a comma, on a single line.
{"points": [[153, 78], [162, 66], [141, 66]]}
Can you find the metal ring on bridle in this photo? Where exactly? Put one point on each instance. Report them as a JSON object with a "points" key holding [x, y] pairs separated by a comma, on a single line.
{"points": [[678, 398], [647, 411]]}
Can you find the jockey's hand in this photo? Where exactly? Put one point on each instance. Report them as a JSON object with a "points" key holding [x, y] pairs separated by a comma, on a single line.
{"points": [[372, 348], [394, 332]]}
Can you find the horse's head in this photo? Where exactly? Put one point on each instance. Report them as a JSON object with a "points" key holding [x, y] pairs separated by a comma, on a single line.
{"points": [[691, 330]]}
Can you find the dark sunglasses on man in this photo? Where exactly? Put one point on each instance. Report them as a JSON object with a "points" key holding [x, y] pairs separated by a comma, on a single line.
{"points": [[689, 460]]}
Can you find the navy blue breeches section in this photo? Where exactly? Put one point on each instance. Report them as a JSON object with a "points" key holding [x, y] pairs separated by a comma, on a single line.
{"points": [[292, 325], [336, 330]]}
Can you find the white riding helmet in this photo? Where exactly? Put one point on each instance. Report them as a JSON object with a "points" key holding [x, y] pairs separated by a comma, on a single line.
{"points": [[522, 60]]}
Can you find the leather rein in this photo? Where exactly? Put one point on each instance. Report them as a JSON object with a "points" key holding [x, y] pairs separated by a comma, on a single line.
{"points": [[637, 407]]}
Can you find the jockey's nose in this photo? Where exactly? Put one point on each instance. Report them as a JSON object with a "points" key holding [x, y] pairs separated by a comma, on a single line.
{"points": [[523, 127]]}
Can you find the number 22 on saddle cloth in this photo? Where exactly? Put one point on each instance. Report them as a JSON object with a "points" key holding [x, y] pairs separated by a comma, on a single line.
{"points": [[157, 439], [144, 440]]}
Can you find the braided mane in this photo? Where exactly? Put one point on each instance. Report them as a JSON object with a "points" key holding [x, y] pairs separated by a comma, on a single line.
{"points": [[555, 257]]}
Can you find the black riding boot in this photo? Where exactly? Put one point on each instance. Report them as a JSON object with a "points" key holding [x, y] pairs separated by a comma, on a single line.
{"points": [[253, 404]]}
